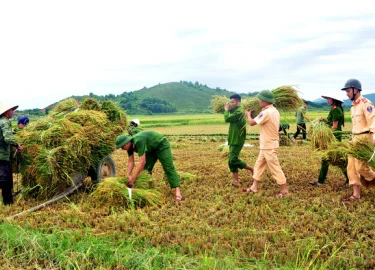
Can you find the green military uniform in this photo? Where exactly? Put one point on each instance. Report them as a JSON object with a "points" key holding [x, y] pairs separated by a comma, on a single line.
{"points": [[6, 178], [336, 114], [236, 137], [156, 147]]}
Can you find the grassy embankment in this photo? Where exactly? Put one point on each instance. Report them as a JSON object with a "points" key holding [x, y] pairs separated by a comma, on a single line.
{"points": [[216, 227]]}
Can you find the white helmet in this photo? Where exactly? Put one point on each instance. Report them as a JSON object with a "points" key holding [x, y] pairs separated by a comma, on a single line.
{"points": [[136, 122], [333, 97]]}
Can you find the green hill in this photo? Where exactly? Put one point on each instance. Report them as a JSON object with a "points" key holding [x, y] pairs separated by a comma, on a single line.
{"points": [[184, 96]]}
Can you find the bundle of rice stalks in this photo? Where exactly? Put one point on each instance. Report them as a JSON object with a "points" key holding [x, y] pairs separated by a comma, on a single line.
{"points": [[337, 154], [56, 148], [144, 181], [112, 111], [65, 106], [363, 149], [187, 176], [114, 192], [218, 102], [284, 140], [287, 98], [90, 104], [321, 136]]}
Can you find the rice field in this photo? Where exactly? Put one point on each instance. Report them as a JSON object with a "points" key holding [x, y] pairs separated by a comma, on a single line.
{"points": [[216, 227]]}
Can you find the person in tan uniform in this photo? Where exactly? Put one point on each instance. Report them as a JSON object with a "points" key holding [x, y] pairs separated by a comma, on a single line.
{"points": [[363, 119], [268, 120]]}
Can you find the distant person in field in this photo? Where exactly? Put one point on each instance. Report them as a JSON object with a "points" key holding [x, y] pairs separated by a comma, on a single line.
{"points": [[335, 121], [363, 119], [21, 123], [300, 120], [234, 115], [133, 127], [284, 127], [6, 141], [151, 147], [268, 120]]}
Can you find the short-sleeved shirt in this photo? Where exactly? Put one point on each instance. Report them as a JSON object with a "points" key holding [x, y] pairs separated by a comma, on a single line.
{"points": [[146, 142], [300, 115], [269, 121], [6, 138], [336, 114], [363, 116], [237, 126]]}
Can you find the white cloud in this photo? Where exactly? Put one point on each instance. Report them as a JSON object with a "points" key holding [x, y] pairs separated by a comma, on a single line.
{"points": [[51, 50]]}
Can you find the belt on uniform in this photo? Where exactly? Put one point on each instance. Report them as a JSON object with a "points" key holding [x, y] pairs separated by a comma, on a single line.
{"points": [[364, 132]]}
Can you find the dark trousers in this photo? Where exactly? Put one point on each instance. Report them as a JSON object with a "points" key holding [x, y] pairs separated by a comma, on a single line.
{"points": [[324, 170], [301, 127], [164, 155], [6, 182]]}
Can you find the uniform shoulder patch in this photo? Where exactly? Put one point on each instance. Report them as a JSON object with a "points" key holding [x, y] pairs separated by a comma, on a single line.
{"points": [[369, 109], [260, 115]]}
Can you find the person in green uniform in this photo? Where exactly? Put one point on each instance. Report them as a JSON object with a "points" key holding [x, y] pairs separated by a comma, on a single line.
{"points": [[335, 121], [6, 140], [133, 127], [151, 147], [235, 116], [300, 120]]}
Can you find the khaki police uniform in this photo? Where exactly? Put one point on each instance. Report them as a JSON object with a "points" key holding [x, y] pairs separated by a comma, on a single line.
{"points": [[363, 119], [269, 120]]}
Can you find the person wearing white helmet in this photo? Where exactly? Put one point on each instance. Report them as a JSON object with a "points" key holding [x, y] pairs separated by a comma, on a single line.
{"points": [[6, 140], [133, 127], [335, 121]]}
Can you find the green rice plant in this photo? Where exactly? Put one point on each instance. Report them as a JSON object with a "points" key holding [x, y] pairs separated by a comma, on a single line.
{"points": [[114, 192], [321, 135]]}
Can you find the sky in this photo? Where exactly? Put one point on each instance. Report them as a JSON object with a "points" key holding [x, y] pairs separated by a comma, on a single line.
{"points": [[50, 50]]}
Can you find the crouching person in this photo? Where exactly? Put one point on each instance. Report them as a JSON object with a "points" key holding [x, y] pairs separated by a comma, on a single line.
{"points": [[6, 140], [151, 147]]}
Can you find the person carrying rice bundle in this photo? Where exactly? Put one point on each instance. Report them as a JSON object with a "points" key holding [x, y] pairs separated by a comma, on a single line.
{"points": [[363, 119], [151, 147], [335, 121], [6, 140], [268, 120], [234, 115], [300, 120]]}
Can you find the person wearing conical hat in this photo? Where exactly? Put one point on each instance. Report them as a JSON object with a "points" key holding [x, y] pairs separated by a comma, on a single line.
{"points": [[6, 140], [335, 121], [363, 120], [269, 121], [133, 127], [151, 147]]}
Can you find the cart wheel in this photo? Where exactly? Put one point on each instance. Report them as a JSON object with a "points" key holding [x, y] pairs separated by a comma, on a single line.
{"points": [[105, 168]]}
